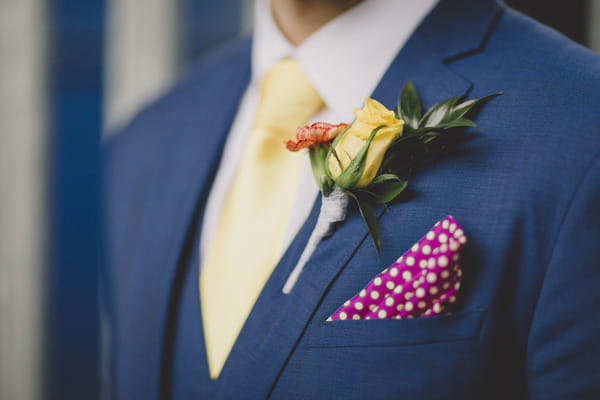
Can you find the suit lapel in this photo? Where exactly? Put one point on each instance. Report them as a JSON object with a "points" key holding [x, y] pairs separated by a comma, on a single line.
{"points": [[278, 321], [192, 144]]}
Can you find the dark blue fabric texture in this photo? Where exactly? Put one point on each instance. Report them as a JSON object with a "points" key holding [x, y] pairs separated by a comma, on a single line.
{"points": [[526, 189]]}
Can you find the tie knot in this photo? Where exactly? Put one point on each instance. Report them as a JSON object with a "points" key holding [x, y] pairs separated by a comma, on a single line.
{"points": [[287, 99]]}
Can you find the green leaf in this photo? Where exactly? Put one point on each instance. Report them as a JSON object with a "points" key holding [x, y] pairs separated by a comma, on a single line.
{"points": [[318, 159], [407, 130], [427, 137], [388, 190], [340, 136], [409, 106], [326, 186], [332, 153], [384, 178], [438, 113], [351, 175], [461, 122], [368, 215], [460, 110]]}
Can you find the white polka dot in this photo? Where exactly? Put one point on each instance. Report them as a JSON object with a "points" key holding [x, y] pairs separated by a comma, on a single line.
{"points": [[426, 249], [343, 315], [452, 299], [458, 233], [416, 284], [329, 319], [428, 312], [452, 227], [446, 285], [409, 306], [398, 289], [423, 263], [372, 307], [397, 317], [400, 307], [381, 314], [431, 263], [390, 285], [445, 224], [407, 275], [463, 239], [359, 305], [374, 294], [420, 292], [408, 295], [457, 286], [415, 247], [459, 273], [430, 235], [431, 277], [356, 316], [377, 281], [444, 248], [399, 260], [455, 257], [346, 303], [410, 261], [437, 308], [434, 290], [368, 317], [445, 274], [443, 261], [362, 293], [389, 301], [454, 245], [394, 271], [421, 304]]}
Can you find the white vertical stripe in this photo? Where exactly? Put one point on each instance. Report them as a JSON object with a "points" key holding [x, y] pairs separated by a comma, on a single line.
{"points": [[22, 161], [141, 55], [594, 25]]}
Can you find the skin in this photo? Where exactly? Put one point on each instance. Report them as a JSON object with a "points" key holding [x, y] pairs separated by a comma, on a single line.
{"points": [[298, 19]]}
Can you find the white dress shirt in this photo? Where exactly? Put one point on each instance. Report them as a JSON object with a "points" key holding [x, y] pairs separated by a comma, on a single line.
{"points": [[345, 60]]}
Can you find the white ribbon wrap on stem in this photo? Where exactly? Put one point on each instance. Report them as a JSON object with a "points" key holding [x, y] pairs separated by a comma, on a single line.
{"points": [[333, 210]]}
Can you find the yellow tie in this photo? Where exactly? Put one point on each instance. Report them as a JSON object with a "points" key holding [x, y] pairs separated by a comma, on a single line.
{"points": [[249, 235]]}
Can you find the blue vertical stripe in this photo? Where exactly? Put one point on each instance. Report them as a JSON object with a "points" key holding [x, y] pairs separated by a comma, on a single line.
{"points": [[76, 113]]}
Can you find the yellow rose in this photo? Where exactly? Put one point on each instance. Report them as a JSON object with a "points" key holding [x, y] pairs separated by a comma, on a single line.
{"points": [[372, 115]]}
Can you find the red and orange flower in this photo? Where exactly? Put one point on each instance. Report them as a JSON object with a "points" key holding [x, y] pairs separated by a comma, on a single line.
{"points": [[315, 134]]}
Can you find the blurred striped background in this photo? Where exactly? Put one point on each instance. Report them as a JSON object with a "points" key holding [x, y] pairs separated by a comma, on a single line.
{"points": [[71, 72]]}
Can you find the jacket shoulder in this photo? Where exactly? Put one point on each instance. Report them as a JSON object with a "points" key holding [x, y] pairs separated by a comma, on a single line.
{"points": [[551, 84], [204, 77], [523, 51]]}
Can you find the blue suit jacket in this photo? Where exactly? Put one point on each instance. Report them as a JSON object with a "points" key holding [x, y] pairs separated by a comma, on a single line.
{"points": [[526, 190]]}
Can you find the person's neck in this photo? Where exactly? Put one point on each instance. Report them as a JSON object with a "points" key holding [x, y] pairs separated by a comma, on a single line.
{"points": [[298, 19]]}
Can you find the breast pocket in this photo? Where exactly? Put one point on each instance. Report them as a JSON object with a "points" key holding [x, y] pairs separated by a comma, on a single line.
{"points": [[417, 359], [464, 325]]}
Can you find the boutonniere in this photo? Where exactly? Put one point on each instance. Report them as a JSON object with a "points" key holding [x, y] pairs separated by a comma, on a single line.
{"points": [[370, 161]]}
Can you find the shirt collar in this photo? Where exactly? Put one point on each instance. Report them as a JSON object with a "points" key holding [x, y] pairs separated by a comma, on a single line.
{"points": [[347, 57]]}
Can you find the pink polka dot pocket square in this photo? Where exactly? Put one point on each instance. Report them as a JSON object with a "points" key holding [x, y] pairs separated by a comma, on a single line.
{"points": [[423, 282]]}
